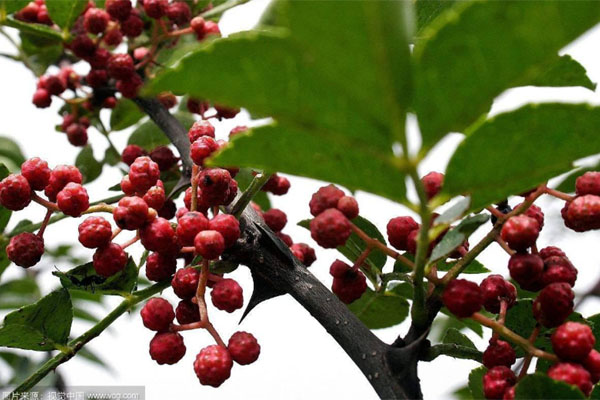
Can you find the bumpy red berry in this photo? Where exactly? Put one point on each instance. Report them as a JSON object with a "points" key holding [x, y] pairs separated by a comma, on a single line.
{"points": [[157, 314], [41, 98], [228, 226], [95, 20], [189, 225], [83, 47], [164, 157], [215, 185], [15, 192], [94, 232], [583, 213], [155, 197], [462, 298], [496, 289], [37, 173], [73, 199], [350, 286], [348, 206], [213, 365], [179, 12], [167, 99], [211, 28], [185, 282], [330, 228], [308, 253], [278, 185], [588, 183], [432, 183], [558, 269], [398, 230], [338, 269], [187, 312], [554, 304], [118, 9], [573, 374], [520, 232], [496, 381], [156, 8], [202, 148], [131, 213], [109, 259], [167, 347], [285, 238], [160, 267], [592, 364], [143, 173], [77, 135], [324, 198], [275, 219], [244, 348], [131, 153], [498, 353], [209, 244], [527, 270], [120, 66], [129, 87], [159, 236], [573, 341], [199, 129], [551, 251], [227, 295], [25, 249], [536, 213], [59, 177]]}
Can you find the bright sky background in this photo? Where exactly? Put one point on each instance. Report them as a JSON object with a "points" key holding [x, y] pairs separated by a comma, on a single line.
{"points": [[299, 360]]}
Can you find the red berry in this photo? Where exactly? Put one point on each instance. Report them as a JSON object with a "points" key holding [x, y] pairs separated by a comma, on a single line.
{"points": [[498, 353], [495, 289], [536, 213], [339, 269], [216, 188], [285, 238], [187, 312], [73, 200], [463, 298], [82, 46], [167, 347], [588, 183], [509, 394], [209, 244], [132, 26], [551, 251], [97, 78], [189, 225], [324, 198], [55, 85], [109, 102], [244, 348], [25, 249], [41, 98], [228, 226], [131, 153], [583, 213], [77, 135], [120, 66], [213, 365], [527, 270], [94, 232], [185, 282], [164, 157], [330, 229], [129, 87], [297, 253], [520, 232], [281, 186], [160, 267], [573, 374], [118, 9], [143, 174], [168, 210], [179, 12], [159, 236], [113, 36], [275, 219], [156, 197], [558, 269], [28, 13], [350, 286], [197, 25], [167, 99], [398, 230], [554, 304], [348, 206], [196, 106], [227, 295], [131, 213], [95, 20], [15, 192], [37, 173], [59, 177], [592, 364], [496, 381], [211, 28], [432, 182], [157, 314], [109, 259], [156, 8], [202, 148], [573, 341], [308, 253]]}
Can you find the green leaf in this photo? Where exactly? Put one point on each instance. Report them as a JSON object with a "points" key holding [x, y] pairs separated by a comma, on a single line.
{"points": [[124, 115], [428, 10], [40, 52], [11, 150], [111, 157], [85, 278], [65, 12], [84, 315], [476, 50], [476, 382], [5, 213], [315, 156], [40, 326], [564, 71], [595, 395], [148, 135], [90, 168], [594, 322], [11, 6], [463, 323], [454, 336], [529, 137], [541, 387], [457, 236], [455, 212], [18, 293], [474, 267], [463, 393], [380, 310], [519, 318], [39, 30]]}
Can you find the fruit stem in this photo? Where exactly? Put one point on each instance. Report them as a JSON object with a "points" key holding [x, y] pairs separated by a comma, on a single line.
{"points": [[558, 194], [504, 245], [131, 241], [257, 183], [194, 182], [116, 233], [45, 223], [361, 259], [48, 204], [501, 317], [374, 243], [513, 337], [528, 357], [102, 207]]}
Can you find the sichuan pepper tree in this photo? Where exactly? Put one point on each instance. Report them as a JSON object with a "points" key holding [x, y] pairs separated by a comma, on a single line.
{"points": [[338, 80]]}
